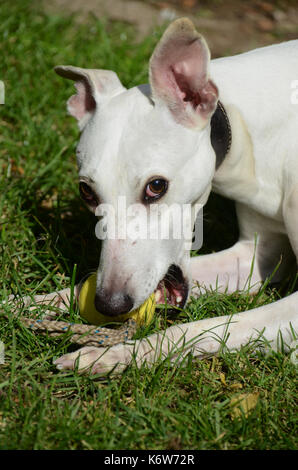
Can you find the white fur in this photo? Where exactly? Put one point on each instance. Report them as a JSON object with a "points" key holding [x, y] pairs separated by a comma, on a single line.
{"points": [[129, 138]]}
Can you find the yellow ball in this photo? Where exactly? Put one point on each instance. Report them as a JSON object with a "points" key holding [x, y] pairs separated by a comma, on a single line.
{"points": [[142, 315]]}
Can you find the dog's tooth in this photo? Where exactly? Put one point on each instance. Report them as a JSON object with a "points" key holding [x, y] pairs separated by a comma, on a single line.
{"points": [[178, 299], [157, 296]]}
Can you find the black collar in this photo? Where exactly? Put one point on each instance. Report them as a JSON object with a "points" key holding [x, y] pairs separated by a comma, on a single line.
{"points": [[221, 134]]}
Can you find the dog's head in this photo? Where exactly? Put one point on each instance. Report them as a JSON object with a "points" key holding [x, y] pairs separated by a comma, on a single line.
{"points": [[143, 148]]}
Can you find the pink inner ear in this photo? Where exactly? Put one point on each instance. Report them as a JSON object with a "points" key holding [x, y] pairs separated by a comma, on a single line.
{"points": [[202, 98], [186, 93], [83, 102], [179, 73]]}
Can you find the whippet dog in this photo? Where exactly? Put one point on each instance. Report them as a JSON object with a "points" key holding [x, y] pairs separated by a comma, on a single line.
{"points": [[227, 125]]}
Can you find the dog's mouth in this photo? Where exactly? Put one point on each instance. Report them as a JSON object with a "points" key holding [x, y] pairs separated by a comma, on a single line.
{"points": [[173, 288]]}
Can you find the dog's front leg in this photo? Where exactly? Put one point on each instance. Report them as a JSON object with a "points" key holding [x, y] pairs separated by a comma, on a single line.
{"points": [[271, 326], [226, 271]]}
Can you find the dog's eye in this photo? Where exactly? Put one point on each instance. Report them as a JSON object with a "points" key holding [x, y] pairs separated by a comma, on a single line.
{"points": [[88, 194], [155, 189]]}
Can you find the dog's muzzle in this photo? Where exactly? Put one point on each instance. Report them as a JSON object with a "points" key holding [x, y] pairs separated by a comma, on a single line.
{"points": [[113, 304]]}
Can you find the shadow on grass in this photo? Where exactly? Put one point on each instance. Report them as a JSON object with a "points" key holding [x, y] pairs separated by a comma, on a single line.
{"points": [[67, 230]]}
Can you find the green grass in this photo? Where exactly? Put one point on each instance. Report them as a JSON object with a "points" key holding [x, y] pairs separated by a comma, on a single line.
{"points": [[45, 231]]}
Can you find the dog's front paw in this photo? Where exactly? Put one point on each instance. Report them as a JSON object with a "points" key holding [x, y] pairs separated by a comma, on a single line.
{"points": [[97, 360]]}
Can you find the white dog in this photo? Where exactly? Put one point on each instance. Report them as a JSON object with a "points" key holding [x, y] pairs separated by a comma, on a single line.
{"points": [[228, 125]]}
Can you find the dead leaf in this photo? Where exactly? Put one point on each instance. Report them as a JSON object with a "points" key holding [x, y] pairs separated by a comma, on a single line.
{"points": [[215, 364], [243, 404], [223, 379], [236, 385]]}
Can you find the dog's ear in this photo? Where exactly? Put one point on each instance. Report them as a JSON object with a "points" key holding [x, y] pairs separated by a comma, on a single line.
{"points": [[179, 75], [93, 88]]}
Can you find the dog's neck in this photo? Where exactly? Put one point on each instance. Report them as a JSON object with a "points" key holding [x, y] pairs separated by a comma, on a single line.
{"points": [[235, 175], [221, 134]]}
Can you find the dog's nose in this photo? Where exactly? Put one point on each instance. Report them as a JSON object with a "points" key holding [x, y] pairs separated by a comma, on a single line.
{"points": [[113, 304]]}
